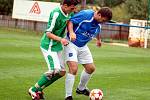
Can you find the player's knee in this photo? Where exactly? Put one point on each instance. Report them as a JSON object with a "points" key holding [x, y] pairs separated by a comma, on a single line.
{"points": [[90, 69], [73, 70], [73, 67], [74, 73], [93, 68], [62, 73], [49, 74]]}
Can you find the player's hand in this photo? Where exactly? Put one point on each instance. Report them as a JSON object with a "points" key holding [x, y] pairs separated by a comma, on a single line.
{"points": [[72, 36], [98, 43], [64, 41]]}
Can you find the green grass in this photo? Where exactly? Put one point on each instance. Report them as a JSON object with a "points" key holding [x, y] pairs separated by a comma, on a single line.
{"points": [[122, 73]]}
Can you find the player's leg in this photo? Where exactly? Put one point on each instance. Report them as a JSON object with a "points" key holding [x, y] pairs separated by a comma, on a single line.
{"points": [[62, 71], [52, 80], [85, 58], [71, 59], [38, 87], [56, 63], [54, 77], [84, 78], [70, 78], [50, 76]]}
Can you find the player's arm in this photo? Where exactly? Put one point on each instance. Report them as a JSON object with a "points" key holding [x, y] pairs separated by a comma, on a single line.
{"points": [[49, 31], [98, 37], [98, 40], [76, 19], [57, 38], [72, 35]]}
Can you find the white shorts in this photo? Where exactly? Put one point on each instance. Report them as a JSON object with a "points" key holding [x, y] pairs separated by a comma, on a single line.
{"points": [[81, 55], [54, 60]]}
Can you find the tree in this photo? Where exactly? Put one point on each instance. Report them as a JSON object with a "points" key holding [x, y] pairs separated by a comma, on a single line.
{"points": [[109, 3], [137, 8], [6, 7], [112, 3]]}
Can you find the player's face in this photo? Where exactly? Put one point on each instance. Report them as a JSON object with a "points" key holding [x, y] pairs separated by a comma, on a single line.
{"points": [[69, 9], [100, 18]]}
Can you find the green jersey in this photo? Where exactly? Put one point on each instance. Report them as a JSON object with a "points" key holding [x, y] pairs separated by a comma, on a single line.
{"points": [[56, 25]]}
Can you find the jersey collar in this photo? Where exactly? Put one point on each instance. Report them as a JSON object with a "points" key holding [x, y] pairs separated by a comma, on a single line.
{"points": [[94, 21], [66, 15]]}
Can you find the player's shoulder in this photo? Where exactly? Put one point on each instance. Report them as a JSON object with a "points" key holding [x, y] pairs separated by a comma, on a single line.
{"points": [[55, 12], [87, 11]]}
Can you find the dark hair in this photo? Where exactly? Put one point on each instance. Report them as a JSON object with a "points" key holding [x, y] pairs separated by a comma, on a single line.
{"points": [[70, 2], [106, 12]]}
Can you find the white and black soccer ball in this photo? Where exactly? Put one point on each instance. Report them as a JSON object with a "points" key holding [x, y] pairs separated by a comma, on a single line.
{"points": [[96, 94]]}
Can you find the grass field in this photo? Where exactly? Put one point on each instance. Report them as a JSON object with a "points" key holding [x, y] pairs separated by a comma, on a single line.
{"points": [[122, 73]]}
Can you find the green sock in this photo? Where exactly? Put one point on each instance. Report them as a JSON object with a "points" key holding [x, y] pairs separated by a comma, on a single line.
{"points": [[40, 89], [53, 79], [34, 89], [49, 82], [42, 81]]}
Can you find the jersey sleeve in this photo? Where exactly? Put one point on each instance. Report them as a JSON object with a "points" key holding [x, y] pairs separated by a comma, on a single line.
{"points": [[52, 20], [100, 28], [78, 17], [98, 31]]}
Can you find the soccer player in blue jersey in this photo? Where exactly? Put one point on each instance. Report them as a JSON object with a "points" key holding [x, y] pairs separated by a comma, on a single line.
{"points": [[82, 27]]}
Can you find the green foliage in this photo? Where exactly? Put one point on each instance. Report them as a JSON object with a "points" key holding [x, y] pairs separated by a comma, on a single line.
{"points": [[51, 0], [90, 1], [137, 9], [120, 13], [6, 7], [110, 3], [149, 10]]}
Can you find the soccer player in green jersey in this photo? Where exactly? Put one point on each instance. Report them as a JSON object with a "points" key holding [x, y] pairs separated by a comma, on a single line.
{"points": [[51, 47]]}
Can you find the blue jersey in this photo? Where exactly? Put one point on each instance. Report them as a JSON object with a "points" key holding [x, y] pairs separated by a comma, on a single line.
{"points": [[85, 27]]}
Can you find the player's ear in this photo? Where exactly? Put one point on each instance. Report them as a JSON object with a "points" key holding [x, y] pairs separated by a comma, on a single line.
{"points": [[99, 14], [65, 5]]}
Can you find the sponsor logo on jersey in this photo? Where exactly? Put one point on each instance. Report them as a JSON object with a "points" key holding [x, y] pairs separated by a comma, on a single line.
{"points": [[88, 34]]}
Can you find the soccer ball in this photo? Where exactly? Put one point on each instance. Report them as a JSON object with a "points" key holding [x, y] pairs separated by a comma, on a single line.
{"points": [[96, 94]]}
